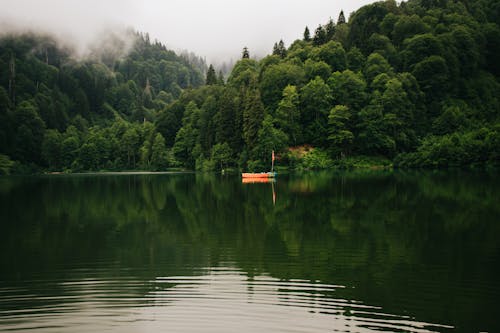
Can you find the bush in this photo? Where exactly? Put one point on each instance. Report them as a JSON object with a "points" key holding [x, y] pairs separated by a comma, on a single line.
{"points": [[5, 165], [474, 148]]}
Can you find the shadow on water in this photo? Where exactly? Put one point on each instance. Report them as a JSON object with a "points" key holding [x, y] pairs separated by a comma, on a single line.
{"points": [[421, 246]]}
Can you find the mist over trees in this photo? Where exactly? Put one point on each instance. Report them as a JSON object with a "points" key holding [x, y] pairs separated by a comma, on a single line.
{"points": [[58, 112], [415, 84]]}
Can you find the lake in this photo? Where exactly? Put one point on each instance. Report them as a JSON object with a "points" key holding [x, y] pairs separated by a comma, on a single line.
{"points": [[313, 252]]}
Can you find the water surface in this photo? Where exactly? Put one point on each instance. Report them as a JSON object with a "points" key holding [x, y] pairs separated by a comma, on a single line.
{"points": [[318, 252]]}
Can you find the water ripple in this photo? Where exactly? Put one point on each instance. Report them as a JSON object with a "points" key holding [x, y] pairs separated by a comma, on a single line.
{"points": [[223, 299]]}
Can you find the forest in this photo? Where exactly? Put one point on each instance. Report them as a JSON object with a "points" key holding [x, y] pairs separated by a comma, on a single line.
{"points": [[409, 85]]}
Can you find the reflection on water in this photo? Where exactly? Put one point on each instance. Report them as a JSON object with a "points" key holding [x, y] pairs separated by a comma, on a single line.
{"points": [[349, 252]]}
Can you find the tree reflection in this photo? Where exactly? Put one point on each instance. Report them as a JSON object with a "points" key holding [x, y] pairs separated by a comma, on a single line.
{"points": [[390, 236]]}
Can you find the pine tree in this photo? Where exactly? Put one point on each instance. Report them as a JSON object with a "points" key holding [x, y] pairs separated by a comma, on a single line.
{"points": [[246, 54], [330, 29], [276, 50], [252, 117], [319, 36], [341, 19], [211, 77], [307, 35], [281, 49]]}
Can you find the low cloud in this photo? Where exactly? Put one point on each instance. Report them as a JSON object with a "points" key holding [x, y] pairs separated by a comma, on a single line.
{"points": [[216, 29]]}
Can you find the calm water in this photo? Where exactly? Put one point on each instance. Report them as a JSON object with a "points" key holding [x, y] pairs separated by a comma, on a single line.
{"points": [[322, 252]]}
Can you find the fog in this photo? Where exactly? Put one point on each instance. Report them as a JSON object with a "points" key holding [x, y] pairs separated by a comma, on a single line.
{"points": [[215, 29]]}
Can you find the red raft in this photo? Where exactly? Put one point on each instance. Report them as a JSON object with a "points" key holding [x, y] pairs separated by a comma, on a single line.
{"points": [[259, 175], [262, 177]]}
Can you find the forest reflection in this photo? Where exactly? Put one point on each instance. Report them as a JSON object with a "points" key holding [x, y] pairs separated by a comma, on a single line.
{"points": [[388, 237]]}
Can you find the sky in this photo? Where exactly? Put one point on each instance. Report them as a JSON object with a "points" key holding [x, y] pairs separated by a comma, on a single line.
{"points": [[215, 29]]}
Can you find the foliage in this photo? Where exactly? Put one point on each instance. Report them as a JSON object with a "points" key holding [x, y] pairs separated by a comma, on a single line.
{"points": [[64, 114], [417, 82], [315, 159], [5, 165]]}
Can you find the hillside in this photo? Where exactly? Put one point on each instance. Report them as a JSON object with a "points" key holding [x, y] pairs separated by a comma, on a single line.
{"points": [[56, 108], [415, 83]]}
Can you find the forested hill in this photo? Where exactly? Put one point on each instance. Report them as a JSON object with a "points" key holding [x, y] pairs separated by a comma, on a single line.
{"points": [[416, 84], [57, 110]]}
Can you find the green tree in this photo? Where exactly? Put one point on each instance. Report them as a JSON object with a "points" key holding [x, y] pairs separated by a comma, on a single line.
{"points": [[432, 75], [226, 120], [399, 115], [69, 150], [282, 52], [275, 78], [168, 123], [340, 135], [288, 114], [341, 19], [29, 133], [317, 68], [187, 136], [407, 27], [5, 164], [349, 89], [376, 64], [159, 153], [315, 105], [211, 76], [320, 36], [333, 54], [88, 156], [420, 47], [244, 72], [131, 142], [5, 121], [221, 155], [355, 60], [382, 45], [252, 118], [52, 148], [307, 35], [330, 29], [451, 120], [269, 138], [372, 138]]}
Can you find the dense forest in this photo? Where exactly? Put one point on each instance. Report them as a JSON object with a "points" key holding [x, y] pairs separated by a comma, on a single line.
{"points": [[414, 84]]}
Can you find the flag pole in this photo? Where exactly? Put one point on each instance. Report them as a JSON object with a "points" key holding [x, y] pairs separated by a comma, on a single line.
{"points": [[272, 162]]}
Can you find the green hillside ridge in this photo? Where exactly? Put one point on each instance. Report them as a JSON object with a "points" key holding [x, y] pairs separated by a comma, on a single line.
{"points": [[409, 85]]}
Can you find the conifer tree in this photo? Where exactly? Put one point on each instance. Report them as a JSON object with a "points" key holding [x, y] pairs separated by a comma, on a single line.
{"points": [[275, 49], [246, 54], [307, 35], [341, 19], [329, 29], [211, 77], [319, 36], [281, 49], [252, 117]]}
